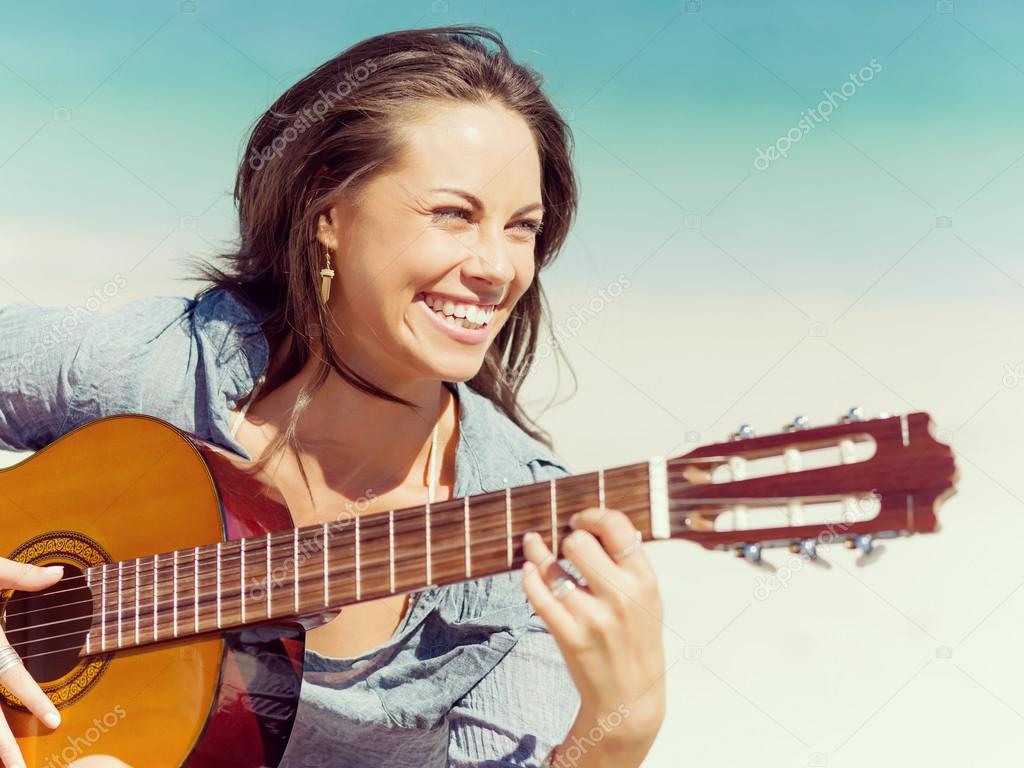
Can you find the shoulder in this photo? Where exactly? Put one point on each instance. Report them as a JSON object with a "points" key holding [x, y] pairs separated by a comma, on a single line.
{"points": [[499, 448], [185, 360]]}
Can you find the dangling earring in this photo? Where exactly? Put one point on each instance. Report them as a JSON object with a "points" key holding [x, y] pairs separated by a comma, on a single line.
{"points": [[325, 282]]}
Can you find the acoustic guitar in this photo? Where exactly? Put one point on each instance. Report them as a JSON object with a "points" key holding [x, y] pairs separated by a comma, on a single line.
{"points": [[187, 588]]}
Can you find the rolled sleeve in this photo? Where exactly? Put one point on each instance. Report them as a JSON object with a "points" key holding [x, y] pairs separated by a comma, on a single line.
{"points": [[518, 712]]}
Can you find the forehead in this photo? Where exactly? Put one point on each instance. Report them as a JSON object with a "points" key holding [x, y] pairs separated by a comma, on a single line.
{"points": [[486, 149]]}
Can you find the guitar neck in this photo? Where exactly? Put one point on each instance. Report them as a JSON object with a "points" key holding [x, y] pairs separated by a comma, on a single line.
{"points": [[320, 568]]}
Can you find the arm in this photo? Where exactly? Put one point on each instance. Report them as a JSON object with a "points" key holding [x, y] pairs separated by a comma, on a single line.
{"points": [[38, 351]]}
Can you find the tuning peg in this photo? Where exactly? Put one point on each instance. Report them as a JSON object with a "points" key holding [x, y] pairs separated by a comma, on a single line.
{"points": [[856, 413], [808, 547], [865, 542], [744, 432], [798, 423], [751, 552]]}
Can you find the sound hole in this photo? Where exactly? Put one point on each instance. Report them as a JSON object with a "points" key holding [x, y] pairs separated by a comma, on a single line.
{"points": [[48, 628]]}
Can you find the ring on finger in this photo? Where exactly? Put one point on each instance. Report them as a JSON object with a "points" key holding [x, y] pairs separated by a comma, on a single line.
{"points": [[625, 552], [8, 658], [563, 586]]}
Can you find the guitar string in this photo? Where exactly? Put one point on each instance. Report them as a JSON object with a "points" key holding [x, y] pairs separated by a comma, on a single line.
{"points": [[287, 547], [315, 580]]}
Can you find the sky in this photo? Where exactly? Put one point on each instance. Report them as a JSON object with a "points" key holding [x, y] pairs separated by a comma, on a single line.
{"points": [[773, 262]]}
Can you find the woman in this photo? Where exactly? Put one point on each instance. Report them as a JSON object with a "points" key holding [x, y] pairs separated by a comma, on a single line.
{"points": [[364, 348]]}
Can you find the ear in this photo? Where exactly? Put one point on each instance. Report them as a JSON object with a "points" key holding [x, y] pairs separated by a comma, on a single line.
{"points": [[325, 229]]}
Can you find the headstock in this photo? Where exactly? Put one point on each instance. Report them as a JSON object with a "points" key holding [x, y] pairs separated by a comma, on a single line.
{"points": [[856, 481]]}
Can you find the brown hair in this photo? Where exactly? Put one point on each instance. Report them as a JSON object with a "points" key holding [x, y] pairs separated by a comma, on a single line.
{"points": [[330, 132]]}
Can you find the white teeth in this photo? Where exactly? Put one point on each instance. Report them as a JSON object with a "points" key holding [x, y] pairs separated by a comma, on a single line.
{"points": [[464, 315]]}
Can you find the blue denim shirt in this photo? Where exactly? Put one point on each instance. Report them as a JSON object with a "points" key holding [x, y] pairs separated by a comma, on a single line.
{"points": [[470, 677]]}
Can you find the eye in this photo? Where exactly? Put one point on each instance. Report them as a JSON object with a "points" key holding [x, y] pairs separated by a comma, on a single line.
{"points": [[447, 213], [530, 225]]}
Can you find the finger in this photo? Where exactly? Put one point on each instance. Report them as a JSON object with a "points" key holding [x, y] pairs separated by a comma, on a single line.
{"points": [[24, 576], [615, 531], [9, 752], [20, 683], [603, 575], [562, 624], [576, 601]]}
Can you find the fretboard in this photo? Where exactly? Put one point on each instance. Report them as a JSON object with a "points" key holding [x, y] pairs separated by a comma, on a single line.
{"points": [[319, 568]]}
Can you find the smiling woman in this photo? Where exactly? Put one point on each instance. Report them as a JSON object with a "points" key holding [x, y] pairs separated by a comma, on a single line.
{"points": [[362, 351]]}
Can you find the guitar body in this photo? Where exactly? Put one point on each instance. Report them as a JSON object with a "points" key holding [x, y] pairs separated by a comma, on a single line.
{"points": [[114, 490]]}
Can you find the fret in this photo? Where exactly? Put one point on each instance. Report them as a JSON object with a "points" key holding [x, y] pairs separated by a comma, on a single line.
{"points": [[126, 604], [465, 528], [359, 564], [103, 607], [174, 590], [626, 489], [295, 571], [120, 594], [195, 595], [426, 538], [308, 556], [220, 620], [508, 525], [327, 549], [489, 533], [282, 553], [554, 517], [600, 488], [241, 577], [341, 562], [232, 596], [409, 559], [448, 542], [137, 564], [156, 598], [254, 581], [266, 584], [391, 549]]}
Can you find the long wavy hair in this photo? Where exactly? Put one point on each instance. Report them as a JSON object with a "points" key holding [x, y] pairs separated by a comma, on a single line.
{"points": [[330, 133]]}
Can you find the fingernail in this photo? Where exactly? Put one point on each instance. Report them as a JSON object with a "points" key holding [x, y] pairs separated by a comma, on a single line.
{"points": [[574, 520], [530, 536], [52, 719], [54, 570]]}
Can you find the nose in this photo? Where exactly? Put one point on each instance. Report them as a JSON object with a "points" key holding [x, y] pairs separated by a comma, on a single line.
{"points": [[487, 260]]}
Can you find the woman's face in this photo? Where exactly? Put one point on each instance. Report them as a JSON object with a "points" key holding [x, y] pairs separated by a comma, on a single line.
{"points": [[417, 260]]}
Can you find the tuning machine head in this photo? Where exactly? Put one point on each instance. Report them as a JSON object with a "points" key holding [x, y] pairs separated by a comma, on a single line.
{"points": [[856, 413], [798, 423], [744, 432]]}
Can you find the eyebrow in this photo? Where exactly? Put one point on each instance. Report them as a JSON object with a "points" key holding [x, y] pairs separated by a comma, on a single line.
{"points": [[477, 203]]}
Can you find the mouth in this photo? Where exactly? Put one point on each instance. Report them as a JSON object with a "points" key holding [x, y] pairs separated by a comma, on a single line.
{"points": [[464, 321]]}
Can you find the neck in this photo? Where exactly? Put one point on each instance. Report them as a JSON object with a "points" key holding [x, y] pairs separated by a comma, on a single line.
{"points": [[319, 568], [353, 441]]}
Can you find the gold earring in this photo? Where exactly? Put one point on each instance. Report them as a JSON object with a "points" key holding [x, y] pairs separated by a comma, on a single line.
{"points": [[325, 278]]}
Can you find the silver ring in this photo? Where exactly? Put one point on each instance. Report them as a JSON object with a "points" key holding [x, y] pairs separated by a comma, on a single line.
{"points": [[563, 586], [622, 554], [8, 658]]}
